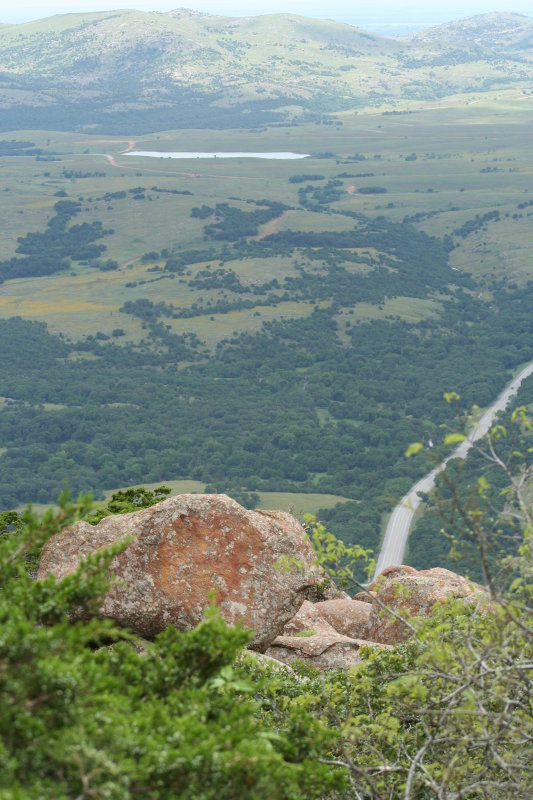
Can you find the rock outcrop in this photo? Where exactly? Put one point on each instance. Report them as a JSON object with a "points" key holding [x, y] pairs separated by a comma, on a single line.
{"points": [[411, 593], [330, 634], [186, 548], [318, 640], [190, 548]]}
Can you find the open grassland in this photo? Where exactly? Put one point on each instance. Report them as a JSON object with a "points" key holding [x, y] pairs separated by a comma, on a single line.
{"points": [[503, 249], [411, 309], [211, 329], [88, 301], [441, 165], [297, 504]]}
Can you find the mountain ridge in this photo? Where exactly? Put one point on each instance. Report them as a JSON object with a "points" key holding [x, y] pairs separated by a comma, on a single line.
{"points": [[200, 70]]}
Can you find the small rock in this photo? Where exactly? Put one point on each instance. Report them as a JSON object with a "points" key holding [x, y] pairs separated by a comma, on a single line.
{"points": [[349, 617], [364, 597], [394, 571], [324, 651], [308, 618]]}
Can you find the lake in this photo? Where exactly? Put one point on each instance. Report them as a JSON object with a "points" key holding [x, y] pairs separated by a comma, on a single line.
{"points": [[277, 156]]}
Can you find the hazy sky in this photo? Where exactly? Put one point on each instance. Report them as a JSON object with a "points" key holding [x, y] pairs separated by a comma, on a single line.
{"points": [[378, 12]]}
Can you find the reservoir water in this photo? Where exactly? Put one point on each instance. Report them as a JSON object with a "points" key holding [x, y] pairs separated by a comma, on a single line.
{"points": [[271, 156]]}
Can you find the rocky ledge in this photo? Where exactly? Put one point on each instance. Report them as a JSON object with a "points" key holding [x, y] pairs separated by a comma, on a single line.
{"points": [[260, 570]]}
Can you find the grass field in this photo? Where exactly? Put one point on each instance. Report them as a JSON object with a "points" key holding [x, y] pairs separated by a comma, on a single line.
{"points": [[296, 504], [411, 309], [474, 154]]}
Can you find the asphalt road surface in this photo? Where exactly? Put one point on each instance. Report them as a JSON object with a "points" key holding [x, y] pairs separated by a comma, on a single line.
{"points": [[401, 519]]}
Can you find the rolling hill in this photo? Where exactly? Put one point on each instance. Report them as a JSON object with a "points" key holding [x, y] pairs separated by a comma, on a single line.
{"points": [[102, 71]]}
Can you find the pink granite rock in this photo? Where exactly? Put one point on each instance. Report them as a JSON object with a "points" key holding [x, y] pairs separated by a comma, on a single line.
{"points": [[324, 650], [308, 618], [349, 617], [410, 593], [187, 547]]}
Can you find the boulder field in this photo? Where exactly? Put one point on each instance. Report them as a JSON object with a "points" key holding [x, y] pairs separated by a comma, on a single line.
{"points": [[260, 569]]}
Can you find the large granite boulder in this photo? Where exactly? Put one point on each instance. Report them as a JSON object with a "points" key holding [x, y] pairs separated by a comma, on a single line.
{"points": [[411, 593], [188, 547]]}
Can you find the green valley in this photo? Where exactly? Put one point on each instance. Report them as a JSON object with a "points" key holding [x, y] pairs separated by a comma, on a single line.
{"points": [[260, 326]]}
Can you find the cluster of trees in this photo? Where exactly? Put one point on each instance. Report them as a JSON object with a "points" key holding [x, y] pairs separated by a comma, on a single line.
{"points": [[313, 197], [177, 262], [233, 223], [476, 224], [227, 279], [306, 178], [53, 249], [193, 110], [16, 147]]}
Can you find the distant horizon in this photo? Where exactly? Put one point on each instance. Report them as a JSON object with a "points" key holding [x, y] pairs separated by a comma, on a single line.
{"points": [[386, 17]]}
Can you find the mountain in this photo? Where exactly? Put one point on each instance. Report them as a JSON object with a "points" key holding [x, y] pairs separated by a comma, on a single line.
{"points": [[483, 37], [104, 70]]}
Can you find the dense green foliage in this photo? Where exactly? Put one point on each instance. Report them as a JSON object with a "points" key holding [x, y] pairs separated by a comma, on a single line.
{"points": [[231, 223], [52, 250], [14, 147], [294, 409], [126, 500]]}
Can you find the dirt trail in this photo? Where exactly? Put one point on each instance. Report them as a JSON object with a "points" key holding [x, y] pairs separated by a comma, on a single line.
{"points": [[272, 226], [111, 158]]}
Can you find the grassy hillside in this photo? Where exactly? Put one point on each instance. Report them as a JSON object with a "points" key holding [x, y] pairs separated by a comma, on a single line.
{"points": [[486, 35], [197, 70]]}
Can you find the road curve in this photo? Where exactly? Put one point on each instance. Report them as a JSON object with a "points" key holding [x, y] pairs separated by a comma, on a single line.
{"points": [[395, 539]]}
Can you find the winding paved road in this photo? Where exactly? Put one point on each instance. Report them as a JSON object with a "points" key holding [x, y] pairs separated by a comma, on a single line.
{"points": [[401, 519]]}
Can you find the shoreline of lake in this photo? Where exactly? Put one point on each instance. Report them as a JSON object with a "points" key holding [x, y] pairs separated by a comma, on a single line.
{"points": [[196, 155]]}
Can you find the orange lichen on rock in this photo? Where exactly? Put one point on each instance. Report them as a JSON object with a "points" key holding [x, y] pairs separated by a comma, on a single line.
{"points": [[187, 549]]}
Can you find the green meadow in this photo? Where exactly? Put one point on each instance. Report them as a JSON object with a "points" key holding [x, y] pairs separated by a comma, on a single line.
{"points": [[441, 165]]}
